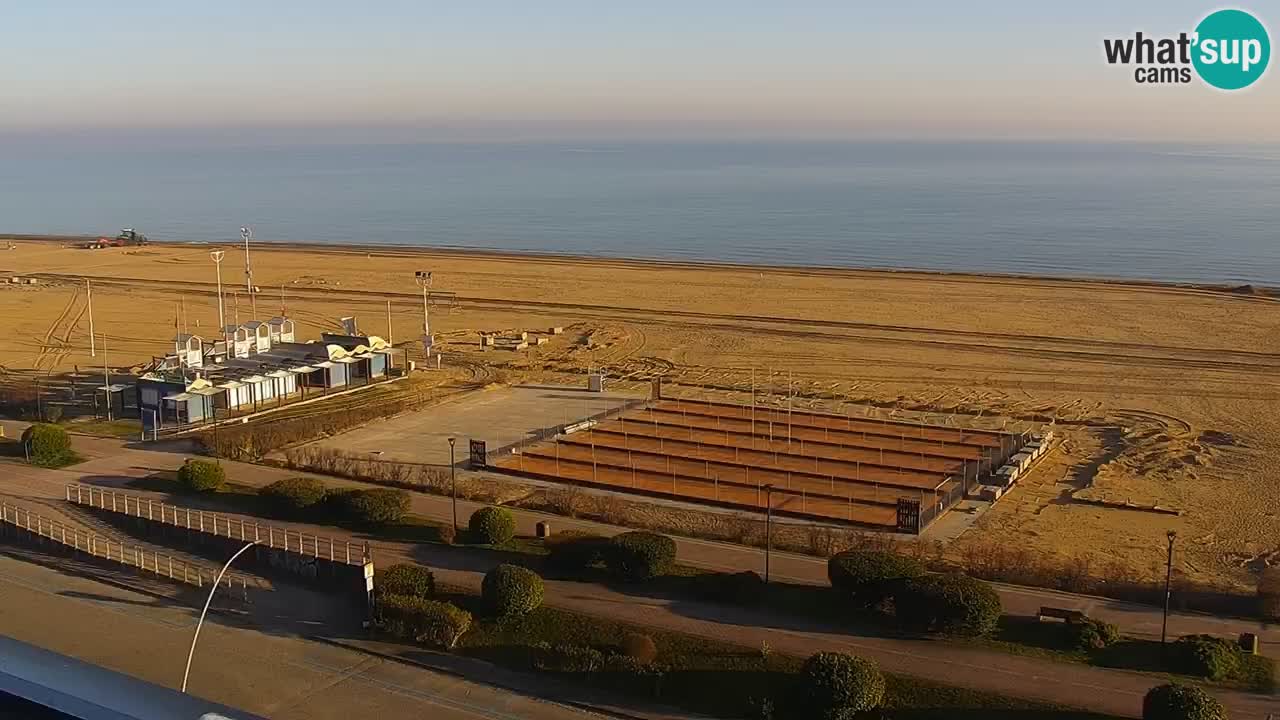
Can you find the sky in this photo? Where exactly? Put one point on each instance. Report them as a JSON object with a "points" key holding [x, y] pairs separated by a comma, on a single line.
{"points": [[429, 70]]}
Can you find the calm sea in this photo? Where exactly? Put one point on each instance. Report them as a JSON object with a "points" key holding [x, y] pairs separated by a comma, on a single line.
{"points": [[1140, 211]]}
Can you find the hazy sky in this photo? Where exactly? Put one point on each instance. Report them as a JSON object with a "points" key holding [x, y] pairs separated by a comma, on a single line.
{"points": [[483, 69]]}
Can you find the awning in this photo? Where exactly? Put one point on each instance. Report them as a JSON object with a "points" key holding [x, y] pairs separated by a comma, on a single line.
{"points": [[178, 397], [207, 392], [113, 388], [324, 364], [231, 385], [280, 374], [347, 360], [302, 370], [253, 379]]}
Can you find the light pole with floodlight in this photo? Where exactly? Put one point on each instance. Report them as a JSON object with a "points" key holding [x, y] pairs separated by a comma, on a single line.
{"points": [[453, 484], [423, 278], [217, 256], [246, 234], [768, 529], [1168, 582]]}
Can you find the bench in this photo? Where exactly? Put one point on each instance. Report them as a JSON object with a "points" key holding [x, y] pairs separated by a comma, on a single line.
{"points": [[1063, 614]]}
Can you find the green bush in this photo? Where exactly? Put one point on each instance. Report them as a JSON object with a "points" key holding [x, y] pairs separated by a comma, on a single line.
{"points": [[870, 576], [1181, 702], [567, 658], [1090, 634], [405, 580], [492, 526], [49, 445], [573, 553], [376, 506], [637, 556], [438, 624], [293, 496], [1208, 657], [950, 604], [740, 588], [835, 685], [640, 648], [1269, 593], [510, 590], [201, 476]]}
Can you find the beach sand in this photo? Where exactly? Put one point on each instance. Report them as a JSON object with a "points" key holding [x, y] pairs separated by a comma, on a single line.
{"points": [[1164, 395]]}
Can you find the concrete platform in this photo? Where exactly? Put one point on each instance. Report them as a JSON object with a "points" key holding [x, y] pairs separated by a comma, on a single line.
{"points": [[500, 417]]}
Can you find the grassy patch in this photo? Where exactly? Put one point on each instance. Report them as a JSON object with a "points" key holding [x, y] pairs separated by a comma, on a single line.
{"points": [[712, 677], [126, 429]]}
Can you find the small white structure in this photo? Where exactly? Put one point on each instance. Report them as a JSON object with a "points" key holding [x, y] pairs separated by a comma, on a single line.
{"points": [[189, 349], [259, 335], [1022, 460], [280, 329]]}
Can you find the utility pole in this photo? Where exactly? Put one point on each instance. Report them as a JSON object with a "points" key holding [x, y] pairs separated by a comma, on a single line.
{"points": [[389, 334], [423, 278], [1168, 582], [217, 256], [246, 234], [453, 483], [768, 529], [89, 293], [106, 376]]}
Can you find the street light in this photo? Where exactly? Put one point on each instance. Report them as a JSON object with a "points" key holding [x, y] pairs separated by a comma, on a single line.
{"points": [[246, 234], [423, 278], [768, 529], [217, 256], [1168, 578], [208, 600], [453, 483]]}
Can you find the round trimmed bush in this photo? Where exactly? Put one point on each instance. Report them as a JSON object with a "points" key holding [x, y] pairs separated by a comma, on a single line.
{"points": [[49, 445], [406, 580], [870, 576], [492, 526], [640, 648], [574, 552], [201, 476], [375, 506], [294, 495], [1181, 702], [838, 686], [510, 590], [1208, 657], [950, 604], [439, 624], [1091, 634], [638, 555]]}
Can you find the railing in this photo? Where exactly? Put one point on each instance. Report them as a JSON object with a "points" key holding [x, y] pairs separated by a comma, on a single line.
{"points": [[270, 536], [150, 561]]}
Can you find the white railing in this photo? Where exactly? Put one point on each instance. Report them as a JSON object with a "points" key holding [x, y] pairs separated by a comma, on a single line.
{"points": [[270, 536], [146, 560]]}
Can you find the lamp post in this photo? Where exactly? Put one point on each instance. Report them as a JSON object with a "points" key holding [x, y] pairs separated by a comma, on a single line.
{"points": [[217, 256], [423, 278], [768, 529], [1168, 581], [208, 600], [246, 234], [453, 484], [88, 291]]}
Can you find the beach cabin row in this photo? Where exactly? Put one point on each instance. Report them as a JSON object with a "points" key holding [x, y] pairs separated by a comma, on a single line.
{"points": [[1007, 475]]}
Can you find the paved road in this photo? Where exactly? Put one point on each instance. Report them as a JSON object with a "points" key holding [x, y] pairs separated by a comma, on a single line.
{"points": [[273, 675], [1116, 692]]}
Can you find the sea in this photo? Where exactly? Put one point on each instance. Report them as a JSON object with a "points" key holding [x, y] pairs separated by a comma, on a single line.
{"points": [[1107, 210]]}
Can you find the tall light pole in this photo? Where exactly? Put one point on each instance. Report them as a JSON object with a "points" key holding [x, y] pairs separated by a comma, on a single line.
{"points": [[768, 529], [217, 256], [246, 234], [453, 483], [423, 278], [200, 622], [106, 376], [1168, 582], [89, 293]]}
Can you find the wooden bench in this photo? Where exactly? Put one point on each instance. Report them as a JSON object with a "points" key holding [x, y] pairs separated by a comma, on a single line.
{"points": [[1063, 614]]}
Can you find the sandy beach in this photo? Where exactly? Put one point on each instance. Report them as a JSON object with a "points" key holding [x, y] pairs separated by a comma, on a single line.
{"points": [[1165, 395]]}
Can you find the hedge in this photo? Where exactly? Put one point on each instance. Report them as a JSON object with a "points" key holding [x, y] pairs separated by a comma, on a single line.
{"points": [[1181, 702], [405, 580], [639, 555], [1208, 657], [49, 445], [835, 685], [201, 476], [492, 526], [870, 576], [510, 590], [375, 506], [294, 495], [439, 624], [1269, 593], [563, 657], [950, 604], [573, 552]]}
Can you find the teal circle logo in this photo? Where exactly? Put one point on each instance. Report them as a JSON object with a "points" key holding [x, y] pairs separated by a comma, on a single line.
{"points": [[1232, 49]]}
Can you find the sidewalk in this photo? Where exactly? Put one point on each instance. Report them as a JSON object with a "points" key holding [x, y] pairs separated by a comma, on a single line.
{"points": [[1111, 691]]}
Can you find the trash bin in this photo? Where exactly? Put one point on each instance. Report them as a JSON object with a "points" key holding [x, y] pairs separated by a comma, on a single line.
{"points": [[1249, 643], [543, 529]]}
